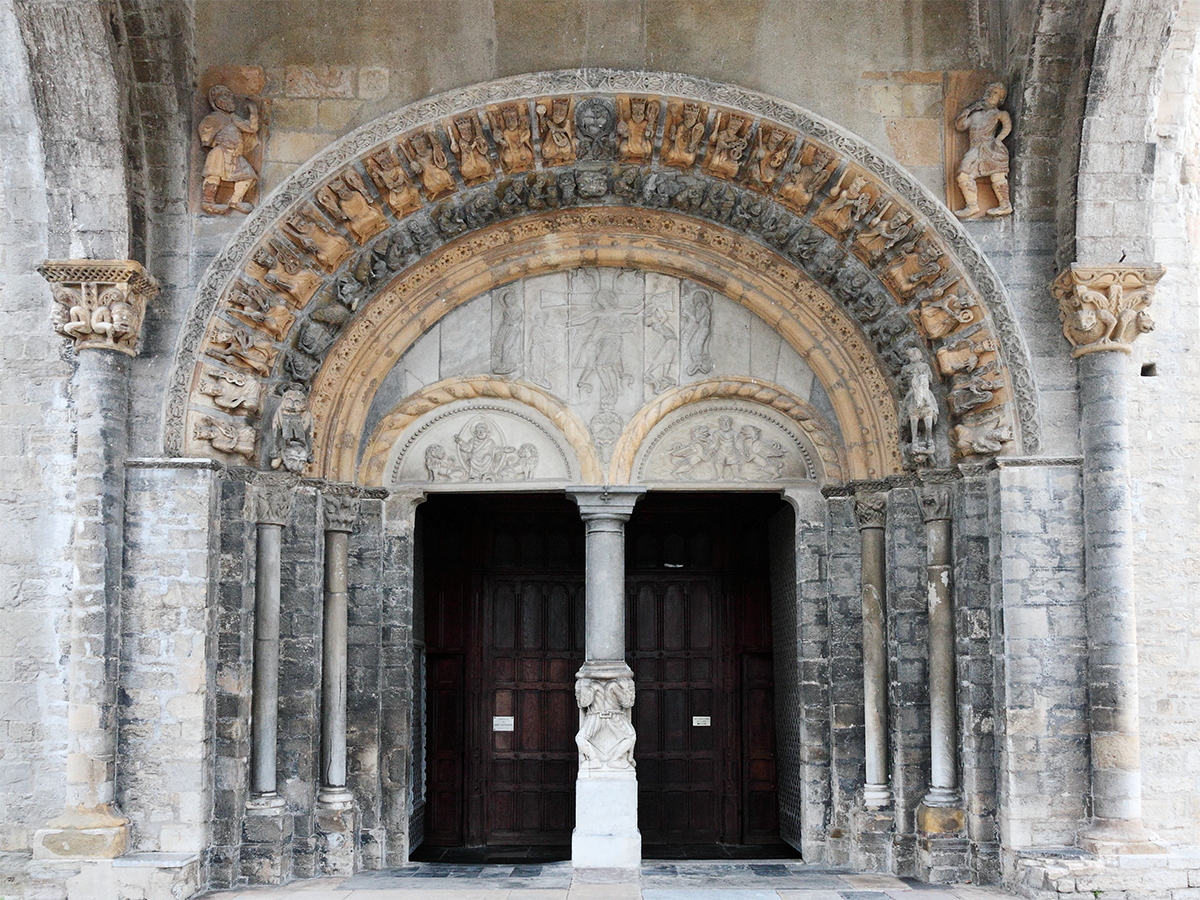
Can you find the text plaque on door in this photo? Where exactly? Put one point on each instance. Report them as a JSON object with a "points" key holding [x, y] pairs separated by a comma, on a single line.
{"points": [[503, 723], [701, 721]]}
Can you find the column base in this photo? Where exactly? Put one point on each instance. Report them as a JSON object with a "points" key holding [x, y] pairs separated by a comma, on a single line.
{"points": [[943, 851], [877, 796], [606, 836], [1117, 837], [99, 832], [873, 840], [267, 840], [334, 798], [337, 840]]}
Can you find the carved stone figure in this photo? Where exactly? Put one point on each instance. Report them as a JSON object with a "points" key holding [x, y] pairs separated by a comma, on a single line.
{"points": [[606, 738], [310, 234], [514, 136], [931, 263], [470, 148], [483, 456], [684, 134], [728, 145], [767, 455], [1105, 307], [347, 201], [946, 313], [544, 355], [509, 334], [919, 405], [292, 427], [771, 148], [227, 437], [556, 127], [440, 467], [847, 205], [99, 303], [428, 161], [233, 391], [813, 168], [389, 176], [976, 388], [637, 119], [229, 138], [984, 438], [602, 351], [886, 240], [987, 125], [962, 354], [721, 451], [662, 347], [259, 308], [239, 348], [596, 129], [282, 269], [697, 332]]}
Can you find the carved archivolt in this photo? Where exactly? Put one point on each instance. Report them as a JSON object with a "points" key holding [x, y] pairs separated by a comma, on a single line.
{"points": [[799, 192], [810, 422], [389, 431]]}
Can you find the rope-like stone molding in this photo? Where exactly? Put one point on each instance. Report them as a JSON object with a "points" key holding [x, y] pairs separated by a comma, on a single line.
{"points": [[393, 425], [811, 422], [291, 197]]}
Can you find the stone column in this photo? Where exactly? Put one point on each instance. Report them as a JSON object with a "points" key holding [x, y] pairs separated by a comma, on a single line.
{"points": [[1103, 309], [870, 509], [267, 830], [942, 848], [606, 833], [335, 819], [99, 305]]}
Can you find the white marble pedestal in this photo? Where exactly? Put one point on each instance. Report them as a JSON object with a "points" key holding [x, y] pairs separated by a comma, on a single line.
{"points": [[606, 835]]}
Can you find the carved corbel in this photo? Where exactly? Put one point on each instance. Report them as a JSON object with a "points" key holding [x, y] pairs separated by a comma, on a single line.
{"points": [[99, 303], [1104, 307]]}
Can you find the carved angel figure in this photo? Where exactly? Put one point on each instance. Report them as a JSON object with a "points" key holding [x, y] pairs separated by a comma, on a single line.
{"points": [[697, 332], [230, 138], [514, 137], [919, 405], [606, 738], [987, 126]]}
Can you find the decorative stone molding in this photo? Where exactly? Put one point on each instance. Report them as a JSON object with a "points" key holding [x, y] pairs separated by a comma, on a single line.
{"points": [[1104, 307], [870, 510], [340, 511], [787, 180], [99, 303]]}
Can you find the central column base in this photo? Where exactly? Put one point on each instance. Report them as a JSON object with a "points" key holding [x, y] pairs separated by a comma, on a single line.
{"points": [[606, 835]]}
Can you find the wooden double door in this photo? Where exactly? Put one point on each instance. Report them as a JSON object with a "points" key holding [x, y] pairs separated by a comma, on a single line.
{"points": [[504, 631]]}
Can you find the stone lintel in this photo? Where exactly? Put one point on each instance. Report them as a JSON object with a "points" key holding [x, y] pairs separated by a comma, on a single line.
{"points": [[99, 303], [606, 501], [1104, 307]]}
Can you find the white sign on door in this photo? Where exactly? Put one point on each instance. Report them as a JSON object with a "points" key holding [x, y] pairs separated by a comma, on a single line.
{"points": [[503, 723], [701, 721]]}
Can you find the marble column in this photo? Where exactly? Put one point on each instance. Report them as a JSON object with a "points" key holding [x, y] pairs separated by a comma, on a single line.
{"points": [[943, 717], [1103, 309], [870, 510], [340, 513], [606, 833], [273, 495], [99, 305]]}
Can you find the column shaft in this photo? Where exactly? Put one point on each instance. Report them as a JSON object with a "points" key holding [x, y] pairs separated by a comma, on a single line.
{"points": [[871, 510], [605, 588], [333, 668], [1111, 616], [265, 704], [943, 742]]}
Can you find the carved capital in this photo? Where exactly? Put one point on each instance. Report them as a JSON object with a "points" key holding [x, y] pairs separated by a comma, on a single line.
{"points": [[99, 303], [1104, 307], [935, 501], [340, 511], [606, 501], [870, 510], [273, 496]]}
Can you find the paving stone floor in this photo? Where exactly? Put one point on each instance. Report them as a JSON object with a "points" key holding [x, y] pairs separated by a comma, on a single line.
{"points": [[721, 880]]}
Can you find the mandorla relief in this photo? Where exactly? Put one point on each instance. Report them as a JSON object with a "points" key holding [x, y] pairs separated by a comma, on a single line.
{"points": [[480, 454]]}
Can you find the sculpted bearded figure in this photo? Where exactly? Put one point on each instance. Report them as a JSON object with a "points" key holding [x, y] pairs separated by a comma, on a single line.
{"points": [[987, 126], [230, 138]]}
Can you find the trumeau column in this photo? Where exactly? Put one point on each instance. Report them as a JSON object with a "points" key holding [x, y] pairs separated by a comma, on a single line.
{"points": [[1103, 310], [99, 305], [870, 509], [606, 833]]}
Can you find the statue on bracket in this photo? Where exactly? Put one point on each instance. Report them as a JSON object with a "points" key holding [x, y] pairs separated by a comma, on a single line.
{"points": [[920, 405], [292, 426], [229, 139], [987, 157]]}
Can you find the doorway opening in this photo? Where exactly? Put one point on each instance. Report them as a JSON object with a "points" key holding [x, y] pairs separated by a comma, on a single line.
{"points": [[501, 630]]}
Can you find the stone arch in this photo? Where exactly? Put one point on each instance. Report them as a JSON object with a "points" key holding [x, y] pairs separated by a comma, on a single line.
{"points": [[572, 429], [308, 276], [811, 422]]}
